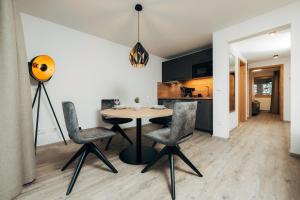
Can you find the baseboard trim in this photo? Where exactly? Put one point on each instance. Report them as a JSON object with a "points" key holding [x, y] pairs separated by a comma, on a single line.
{"points": [[295, 155], [220, 138]]}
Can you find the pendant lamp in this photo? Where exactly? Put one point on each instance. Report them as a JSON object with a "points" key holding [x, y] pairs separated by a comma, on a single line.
{"points": [[138, 55]]}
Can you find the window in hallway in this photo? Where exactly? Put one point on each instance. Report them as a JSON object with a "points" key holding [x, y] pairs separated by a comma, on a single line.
{"points": [[262, 86]]}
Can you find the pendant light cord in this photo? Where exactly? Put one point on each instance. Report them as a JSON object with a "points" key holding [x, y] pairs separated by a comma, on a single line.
{"points": [[138, 26]]}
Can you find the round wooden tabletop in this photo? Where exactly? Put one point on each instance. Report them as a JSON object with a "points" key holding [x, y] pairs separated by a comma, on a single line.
{"points": [[140, 113]]}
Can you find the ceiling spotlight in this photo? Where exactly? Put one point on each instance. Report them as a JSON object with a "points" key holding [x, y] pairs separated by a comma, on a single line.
{"points": [[276, 56], [257, 70], [273, 33]]}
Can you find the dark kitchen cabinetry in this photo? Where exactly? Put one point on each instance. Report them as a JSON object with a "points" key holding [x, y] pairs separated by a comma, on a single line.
{"points": [[186, 67], [176, 70], [204, 118]]}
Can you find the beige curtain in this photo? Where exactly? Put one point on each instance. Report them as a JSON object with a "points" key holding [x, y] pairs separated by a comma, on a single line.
{"points": [[275, 94], [17, 160]]}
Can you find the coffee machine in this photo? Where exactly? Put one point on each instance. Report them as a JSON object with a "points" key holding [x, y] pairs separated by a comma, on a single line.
{"points": [[186, 91]]}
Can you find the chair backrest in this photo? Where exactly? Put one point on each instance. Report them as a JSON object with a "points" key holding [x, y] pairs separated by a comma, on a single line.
{"points": [[71, 120], [183, 120], [169, 104], [107, 103]]}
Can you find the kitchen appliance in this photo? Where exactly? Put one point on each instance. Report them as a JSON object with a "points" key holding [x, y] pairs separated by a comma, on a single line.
{"points": [[186, 91], [202, 70]]}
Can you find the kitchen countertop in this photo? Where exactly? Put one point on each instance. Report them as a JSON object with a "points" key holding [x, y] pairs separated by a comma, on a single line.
{"points": [[189, 98]]}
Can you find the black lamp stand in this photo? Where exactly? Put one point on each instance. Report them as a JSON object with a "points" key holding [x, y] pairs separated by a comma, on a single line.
{"points": [[38, 93]]}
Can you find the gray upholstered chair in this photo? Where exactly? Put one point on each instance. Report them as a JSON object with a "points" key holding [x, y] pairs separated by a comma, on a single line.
{"points": [[109, 103], [163, 121], [181, 129], [85, 137]]}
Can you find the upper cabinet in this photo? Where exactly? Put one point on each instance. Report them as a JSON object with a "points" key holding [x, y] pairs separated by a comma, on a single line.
{"points": [[176, 70], [194, 65]]}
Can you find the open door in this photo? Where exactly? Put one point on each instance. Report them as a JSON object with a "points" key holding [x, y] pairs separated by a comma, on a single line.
{"points": [[242, 91], [265, 69]]}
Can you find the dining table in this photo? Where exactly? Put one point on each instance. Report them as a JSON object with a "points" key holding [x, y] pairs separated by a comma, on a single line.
{"points": [[137, 154]]}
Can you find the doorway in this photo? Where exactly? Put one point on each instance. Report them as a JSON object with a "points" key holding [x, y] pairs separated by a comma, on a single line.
{"points": [[242, 116], [266, 87]]}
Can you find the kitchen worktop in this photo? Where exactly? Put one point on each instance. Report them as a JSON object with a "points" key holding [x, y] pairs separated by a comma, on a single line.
{"points": [[189, 98]]}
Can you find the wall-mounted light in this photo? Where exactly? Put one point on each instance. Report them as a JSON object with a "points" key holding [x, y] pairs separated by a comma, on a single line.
{"points": [[275, 56]]}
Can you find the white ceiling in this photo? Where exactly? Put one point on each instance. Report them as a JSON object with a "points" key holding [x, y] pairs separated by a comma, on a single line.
{"points": [[168, 27], [264, 46]]}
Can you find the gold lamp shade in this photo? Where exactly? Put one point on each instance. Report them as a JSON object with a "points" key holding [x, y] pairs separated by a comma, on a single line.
{"points": [[138, 56], [42, 68]]}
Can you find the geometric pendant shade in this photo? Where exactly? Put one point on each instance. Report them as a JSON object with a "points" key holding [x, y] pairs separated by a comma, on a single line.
{"points": [[138, 56]]}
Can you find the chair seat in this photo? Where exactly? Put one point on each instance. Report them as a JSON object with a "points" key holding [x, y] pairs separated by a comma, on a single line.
{"points": [[114, 120], [161, 120], [163, 136], [93, 134]]}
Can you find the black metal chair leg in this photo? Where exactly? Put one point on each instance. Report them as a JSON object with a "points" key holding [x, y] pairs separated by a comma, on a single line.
{"points": [[171, 161], [188, 162], [163, 152], [124, 134], [114, 128], [108, 143], [78, 153], [102, 157], [77, 171]]}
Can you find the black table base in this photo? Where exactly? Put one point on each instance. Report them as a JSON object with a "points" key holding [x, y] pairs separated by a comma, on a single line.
{"points": [[129, 155], [138, 154]]}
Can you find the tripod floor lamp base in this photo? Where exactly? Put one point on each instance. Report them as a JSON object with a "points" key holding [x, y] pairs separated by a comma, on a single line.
{"points": [[38, 97]]}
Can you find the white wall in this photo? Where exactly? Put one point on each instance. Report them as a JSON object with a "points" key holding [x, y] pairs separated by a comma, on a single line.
{"points": [[88, 69], [286, 79], [234, 116], [287, 15]]}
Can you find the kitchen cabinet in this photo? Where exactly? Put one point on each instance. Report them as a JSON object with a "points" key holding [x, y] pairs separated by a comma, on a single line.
{"points": [[181, 68], [176, 70], [204, 115]]}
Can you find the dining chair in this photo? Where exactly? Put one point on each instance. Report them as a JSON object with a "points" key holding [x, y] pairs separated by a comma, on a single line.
{"points": [[180, 130], [86, 138], [107, 104], [163, 121]]}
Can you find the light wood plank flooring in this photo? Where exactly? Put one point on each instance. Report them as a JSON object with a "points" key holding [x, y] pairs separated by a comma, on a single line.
{"points": [[253, 164]]}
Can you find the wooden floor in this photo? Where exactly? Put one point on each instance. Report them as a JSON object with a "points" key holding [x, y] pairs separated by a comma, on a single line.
{"points": [[253, 164]]}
